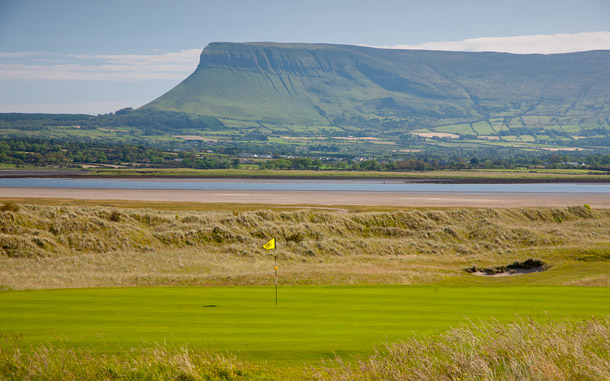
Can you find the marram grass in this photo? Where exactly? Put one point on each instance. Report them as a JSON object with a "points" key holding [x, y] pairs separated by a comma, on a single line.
{"points": [[96, 246], [521, 350], [161, 362]]}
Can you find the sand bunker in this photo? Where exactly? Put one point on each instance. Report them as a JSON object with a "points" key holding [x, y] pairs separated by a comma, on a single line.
{"points": [[511, 272], [528, 266]]}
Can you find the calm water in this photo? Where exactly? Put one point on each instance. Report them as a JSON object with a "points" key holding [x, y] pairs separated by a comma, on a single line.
{"points": [[302, 185]]}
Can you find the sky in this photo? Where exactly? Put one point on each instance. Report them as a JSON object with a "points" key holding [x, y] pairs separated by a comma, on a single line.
{"points": [[98, 56]]}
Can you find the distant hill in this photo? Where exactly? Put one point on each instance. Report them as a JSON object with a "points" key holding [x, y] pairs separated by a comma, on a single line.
{"points": [[152, 120], [340, 85], [322, 100]]}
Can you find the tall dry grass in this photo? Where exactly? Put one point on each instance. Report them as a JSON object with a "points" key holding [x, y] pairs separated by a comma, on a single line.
{"points": [[83, 246], [162, 362], [523, 350]]}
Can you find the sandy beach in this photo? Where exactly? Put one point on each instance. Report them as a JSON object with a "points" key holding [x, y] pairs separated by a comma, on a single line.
{"points": [[326, 198]]}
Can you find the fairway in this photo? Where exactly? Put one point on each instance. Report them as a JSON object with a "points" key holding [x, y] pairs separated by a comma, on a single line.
{"points": [[310, 322]]}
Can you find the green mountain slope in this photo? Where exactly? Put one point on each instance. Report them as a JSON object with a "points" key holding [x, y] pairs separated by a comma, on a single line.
{"points": [[318, 84]]}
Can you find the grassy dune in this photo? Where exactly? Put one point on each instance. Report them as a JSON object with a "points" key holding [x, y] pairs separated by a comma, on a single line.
{"points": [[92, 246]]}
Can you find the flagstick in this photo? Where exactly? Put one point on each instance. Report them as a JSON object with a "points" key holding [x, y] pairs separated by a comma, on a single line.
{"points": [[270, 245], [275, 280]]}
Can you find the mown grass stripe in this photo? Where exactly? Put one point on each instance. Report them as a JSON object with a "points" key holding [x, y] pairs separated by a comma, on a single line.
{"points": [[308, 321]]}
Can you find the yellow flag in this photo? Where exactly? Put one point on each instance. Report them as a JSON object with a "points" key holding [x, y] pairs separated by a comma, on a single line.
{"points": [[270, 245]]}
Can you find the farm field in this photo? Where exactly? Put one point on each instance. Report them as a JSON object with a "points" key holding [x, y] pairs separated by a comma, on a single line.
{"points": [[532, 132]]}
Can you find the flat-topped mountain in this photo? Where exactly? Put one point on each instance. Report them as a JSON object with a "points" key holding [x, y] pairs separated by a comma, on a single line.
{"points": [[321, 84]]}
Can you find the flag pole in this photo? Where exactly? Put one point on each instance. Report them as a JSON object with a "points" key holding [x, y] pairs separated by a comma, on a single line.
{"points": [[271, 246]]}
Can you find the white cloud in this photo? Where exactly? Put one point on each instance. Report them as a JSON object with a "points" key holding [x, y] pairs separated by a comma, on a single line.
{"points": [[183, 57], [15, 54], [92, 108], [48, 66], [178, 65], [542, 44]]}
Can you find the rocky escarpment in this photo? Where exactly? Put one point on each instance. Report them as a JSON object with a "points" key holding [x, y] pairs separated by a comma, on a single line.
{"points": [[340, 84]]}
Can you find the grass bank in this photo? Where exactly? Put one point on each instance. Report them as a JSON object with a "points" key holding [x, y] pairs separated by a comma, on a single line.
{"points": [[45, 246], [513, 175]]}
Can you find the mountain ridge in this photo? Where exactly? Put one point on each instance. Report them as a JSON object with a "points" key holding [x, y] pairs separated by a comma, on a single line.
{"points": [[337, 85]]}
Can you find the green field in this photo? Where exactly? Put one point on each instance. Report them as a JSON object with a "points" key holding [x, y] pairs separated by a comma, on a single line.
{"points": [[136, 290], [308, 324]]}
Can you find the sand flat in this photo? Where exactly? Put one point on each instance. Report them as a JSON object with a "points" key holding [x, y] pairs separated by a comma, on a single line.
{"points": [[399, 199]]}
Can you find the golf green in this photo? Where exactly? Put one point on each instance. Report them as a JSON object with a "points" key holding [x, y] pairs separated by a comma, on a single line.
{"points": [[310, 322]]}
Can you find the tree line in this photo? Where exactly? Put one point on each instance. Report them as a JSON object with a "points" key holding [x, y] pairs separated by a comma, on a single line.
{"points": [[19, 150], [40, 152], [150, 121]]}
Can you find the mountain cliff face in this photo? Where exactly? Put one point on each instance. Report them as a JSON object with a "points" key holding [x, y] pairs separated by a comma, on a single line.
{"points": [[318, 84]]}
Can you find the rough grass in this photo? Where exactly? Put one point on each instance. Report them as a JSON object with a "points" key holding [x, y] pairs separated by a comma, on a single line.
{"points": [[483, 351], [523, 350], [48, 362], [83, 246]]}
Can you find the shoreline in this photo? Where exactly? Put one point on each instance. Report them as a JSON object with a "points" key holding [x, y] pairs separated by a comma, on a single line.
{"points": [[320, 198], [468, 178]]}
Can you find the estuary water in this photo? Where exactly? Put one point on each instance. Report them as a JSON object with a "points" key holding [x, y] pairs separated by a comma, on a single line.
{"points": [[300, 185]]}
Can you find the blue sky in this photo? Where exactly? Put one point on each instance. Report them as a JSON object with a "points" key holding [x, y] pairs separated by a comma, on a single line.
{"points": [[99, 56]]}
